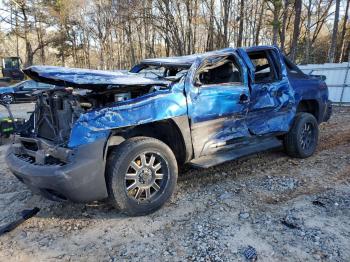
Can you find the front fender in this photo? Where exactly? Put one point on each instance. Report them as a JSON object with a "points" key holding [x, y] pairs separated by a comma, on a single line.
{"points": [[146, 109]]}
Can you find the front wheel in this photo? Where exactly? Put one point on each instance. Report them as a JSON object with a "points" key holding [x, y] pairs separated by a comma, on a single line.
{"points": [[141, 175], [302, 139], [7, 98]]}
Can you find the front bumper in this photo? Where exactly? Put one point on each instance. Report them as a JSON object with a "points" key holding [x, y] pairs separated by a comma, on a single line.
{"points": [[79, 179]]}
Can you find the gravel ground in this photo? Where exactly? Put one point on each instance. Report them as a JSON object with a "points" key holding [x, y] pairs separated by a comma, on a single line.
{"points": [[286, 209]]}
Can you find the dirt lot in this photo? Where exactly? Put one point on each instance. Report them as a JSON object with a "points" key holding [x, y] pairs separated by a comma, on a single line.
{"points": [[287, 209]]}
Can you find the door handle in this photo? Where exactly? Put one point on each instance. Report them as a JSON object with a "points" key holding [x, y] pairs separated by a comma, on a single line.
{"points": [[243, 99]]}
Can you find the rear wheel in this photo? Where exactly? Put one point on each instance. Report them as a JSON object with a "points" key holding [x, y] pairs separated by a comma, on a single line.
{"points": [[141, 175], [7, 98], [302, 139]]}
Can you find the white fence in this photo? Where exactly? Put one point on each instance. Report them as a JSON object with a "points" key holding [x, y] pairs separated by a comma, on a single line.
{"points": [[338, 79]]}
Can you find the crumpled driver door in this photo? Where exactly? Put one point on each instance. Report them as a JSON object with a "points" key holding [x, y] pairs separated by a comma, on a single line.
{"points": [[217, 111]]}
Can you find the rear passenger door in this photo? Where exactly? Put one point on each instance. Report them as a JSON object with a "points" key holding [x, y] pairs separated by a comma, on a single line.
{"points": [[271, 108], [218, 98]]}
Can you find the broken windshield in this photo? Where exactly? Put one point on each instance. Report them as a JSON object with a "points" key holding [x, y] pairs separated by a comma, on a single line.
{"points": [[161, 72]]}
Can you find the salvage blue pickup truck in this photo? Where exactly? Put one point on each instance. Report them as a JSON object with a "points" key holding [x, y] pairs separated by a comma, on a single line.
{"points": [[122, 136]]}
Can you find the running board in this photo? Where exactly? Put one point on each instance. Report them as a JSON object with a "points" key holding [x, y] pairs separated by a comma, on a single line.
{"points": [[234, 153]]}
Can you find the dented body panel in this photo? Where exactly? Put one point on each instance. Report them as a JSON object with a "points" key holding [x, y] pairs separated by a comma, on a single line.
{"points": [[86, 78], [153, 107], [214, 117], [198, 105], [272, 107]]}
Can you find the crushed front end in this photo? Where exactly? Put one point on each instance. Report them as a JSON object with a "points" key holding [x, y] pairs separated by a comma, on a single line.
{"points": [[41, 158], [61, 151]]}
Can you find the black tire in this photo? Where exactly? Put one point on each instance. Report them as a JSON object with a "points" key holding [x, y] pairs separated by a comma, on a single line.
{"points": [[121, 161], [302, 139], [7, 98]]}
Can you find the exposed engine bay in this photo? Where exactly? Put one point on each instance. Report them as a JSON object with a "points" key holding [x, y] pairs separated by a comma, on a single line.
{"points": [[57, 110]]}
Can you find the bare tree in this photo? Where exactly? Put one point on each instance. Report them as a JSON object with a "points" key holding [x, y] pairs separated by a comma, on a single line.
{"points": [[296, 30], [241, 24], [333, 48], [275, 7], [260, 19], [308, 33], [284, 24], [343, 33], [110, 34]]}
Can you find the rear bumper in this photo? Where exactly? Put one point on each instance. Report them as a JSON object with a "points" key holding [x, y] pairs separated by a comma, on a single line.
{"points": [[81, 179]]}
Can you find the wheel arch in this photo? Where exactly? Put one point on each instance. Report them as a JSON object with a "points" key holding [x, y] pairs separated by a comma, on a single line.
{"points": [[174, 132], [310, 106]]}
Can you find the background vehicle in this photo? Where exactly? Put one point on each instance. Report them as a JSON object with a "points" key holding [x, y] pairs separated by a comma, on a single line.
{"points": [[11, 68], [23, 91], [126, 137]]}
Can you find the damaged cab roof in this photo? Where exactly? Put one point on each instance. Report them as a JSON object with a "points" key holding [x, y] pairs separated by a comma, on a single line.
{"points": [[99, 79], [182, 61]]}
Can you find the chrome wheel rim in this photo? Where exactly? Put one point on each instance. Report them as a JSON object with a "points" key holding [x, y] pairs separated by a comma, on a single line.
{"points": [[307, 136], [7, 99], [146, 176]]}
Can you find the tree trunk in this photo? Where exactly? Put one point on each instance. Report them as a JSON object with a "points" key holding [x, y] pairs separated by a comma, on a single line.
{"points": [[258, 28], [189, 9], [241, 24], [226, 6], [284, 25], [210, 39], [29, 54], [275, 28], [167, 27], [195, 16], [333, 48], [130, 43], [296, 30], [62, 47], [29, 50], [308, 34], [276, 23], [343, 33]]}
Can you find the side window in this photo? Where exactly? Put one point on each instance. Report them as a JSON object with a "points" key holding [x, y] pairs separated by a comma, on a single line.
{"points": [[265, 72], [29, 85], [292, 69], [44, 86], [224, 71]]}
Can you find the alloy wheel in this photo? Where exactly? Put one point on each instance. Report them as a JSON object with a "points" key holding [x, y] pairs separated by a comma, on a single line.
{"points": [[8, 99], [307, 137], [146, 176]]}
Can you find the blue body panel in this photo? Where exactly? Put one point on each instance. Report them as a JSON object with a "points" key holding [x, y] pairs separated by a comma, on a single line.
{"points": [[214, 110], [272, 108], [6, 90], [149, 108], [309, 88]]}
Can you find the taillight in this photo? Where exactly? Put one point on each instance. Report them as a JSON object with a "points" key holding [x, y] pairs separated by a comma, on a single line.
{"points": [[323, 85]]}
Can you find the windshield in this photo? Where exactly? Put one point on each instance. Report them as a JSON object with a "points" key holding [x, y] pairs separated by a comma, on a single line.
{"points": [[11, 63], [21, 83], [158, 72]]}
